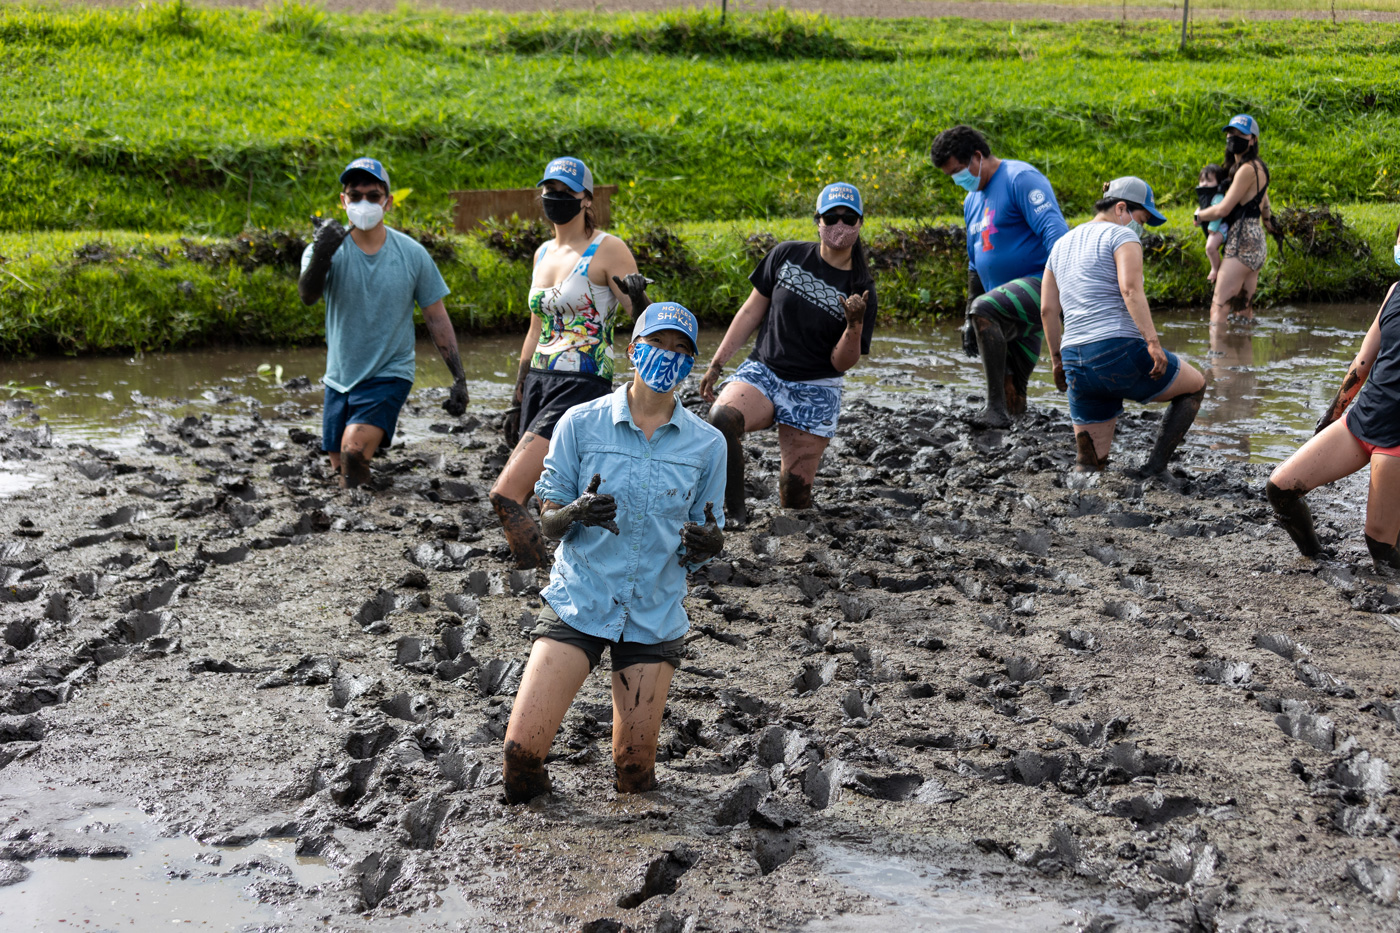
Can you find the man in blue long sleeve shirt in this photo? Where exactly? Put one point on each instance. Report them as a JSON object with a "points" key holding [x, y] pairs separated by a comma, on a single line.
{"points": [[628, 536], [1013, 219]]}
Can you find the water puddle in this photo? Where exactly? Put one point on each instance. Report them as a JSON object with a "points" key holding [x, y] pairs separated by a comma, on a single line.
{"points": [[923, 898], [1267, 382]]}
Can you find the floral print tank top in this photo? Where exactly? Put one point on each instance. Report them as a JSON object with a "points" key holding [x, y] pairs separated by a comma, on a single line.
{"points": [[576, 322]]}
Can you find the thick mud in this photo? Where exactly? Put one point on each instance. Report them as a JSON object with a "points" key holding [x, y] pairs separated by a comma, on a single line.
{"points": [[968, 683]]}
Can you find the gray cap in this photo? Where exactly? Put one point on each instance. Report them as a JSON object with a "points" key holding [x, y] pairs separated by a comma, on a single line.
{"points": [[1132, 188]]}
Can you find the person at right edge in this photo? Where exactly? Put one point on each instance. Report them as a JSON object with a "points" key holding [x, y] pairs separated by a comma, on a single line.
{"points": [[580, 279], [1370, 433], [814, 306], [1013, 221]]}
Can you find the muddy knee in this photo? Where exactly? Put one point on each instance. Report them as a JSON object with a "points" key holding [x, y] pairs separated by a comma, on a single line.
{"points": [[1280, 499], [729, 421]]}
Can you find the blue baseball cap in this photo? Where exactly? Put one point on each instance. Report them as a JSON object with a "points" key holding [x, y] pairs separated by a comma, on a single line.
{"points": [[1244, 123], [840, 194], [668, 315], [362, 164], [571, 172], [1132, 188]]}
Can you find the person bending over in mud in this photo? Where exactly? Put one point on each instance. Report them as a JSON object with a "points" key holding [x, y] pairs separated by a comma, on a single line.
{"points": [[814, 307], [581, 277], [629, 534], [1013, 220], [1245, 208], [1109, 350], [1369, 433], [371, 281]]}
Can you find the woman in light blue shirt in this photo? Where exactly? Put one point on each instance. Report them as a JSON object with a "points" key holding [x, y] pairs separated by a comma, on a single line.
{"points": [[1109, 350], [627, 537]]}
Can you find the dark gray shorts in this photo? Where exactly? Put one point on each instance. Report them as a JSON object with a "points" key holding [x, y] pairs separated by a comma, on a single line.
{"points": [[624, 654]]}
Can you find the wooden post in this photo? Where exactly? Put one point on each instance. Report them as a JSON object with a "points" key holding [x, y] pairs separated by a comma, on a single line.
{"points": [[1185, 11], [724, 11]]}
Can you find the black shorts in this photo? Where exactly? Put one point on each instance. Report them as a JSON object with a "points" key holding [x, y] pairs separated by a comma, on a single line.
{"points": [[546, 395], [1016, 307], [624, 653]]}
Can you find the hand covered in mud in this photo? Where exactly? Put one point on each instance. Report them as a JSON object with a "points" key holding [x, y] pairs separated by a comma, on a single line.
{"points": [[589, 509], [969, 339], [456, 402], [1330, 414], [510, 425], [1159, 358], [1058, 367], [328, 236], [854, 308], [710, 380], [702, 542], [634, 286]]}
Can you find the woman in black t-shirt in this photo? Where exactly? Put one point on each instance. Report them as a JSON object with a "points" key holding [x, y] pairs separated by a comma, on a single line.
{"points": [[813, 305], [1369, 434]]}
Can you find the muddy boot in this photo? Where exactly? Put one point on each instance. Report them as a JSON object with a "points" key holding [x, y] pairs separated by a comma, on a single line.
{"points": [[991, 344], [522, 534], [1385, 557], [524, 775], [794, 492], [1181, 414], [730, 423], [1294, 515], [1086, 458]]}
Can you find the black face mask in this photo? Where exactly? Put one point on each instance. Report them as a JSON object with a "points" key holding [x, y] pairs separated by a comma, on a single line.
{"points": [[561, 207], [1236, 145]]}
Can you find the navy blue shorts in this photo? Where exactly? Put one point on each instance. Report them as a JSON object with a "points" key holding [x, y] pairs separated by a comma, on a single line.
{"points": [[1104, 373], [375, 402]]}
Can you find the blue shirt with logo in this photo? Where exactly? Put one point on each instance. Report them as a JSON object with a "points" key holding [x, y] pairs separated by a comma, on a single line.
{"points": [[629, 586], [1011, 224], [369, 308]]}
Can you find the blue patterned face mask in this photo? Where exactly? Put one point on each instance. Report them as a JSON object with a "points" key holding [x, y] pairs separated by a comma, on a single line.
{"points": [[661, 370]]}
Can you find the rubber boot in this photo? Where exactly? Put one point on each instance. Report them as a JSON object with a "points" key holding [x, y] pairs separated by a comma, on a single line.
{"points": [[730, 422], [1181, 414], [1384, 556], [522, 534], [1294, 515], [991, 344], [1086, 458]]}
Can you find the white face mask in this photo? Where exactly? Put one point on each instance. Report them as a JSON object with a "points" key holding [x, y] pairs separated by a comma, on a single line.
{"points": [[365, 215]]}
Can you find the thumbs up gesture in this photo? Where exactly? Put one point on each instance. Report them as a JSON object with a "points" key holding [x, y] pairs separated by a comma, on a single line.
{"points": [[703, 542]]}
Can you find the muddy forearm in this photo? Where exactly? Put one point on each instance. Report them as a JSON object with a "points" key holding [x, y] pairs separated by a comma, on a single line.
{"points": [[846, 353], [1345, 393], [974, 286], [556, 519], [590, 509], [445, 339]]}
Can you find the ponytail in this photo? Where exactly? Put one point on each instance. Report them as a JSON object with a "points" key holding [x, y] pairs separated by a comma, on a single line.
{"points": [[590, 220]]}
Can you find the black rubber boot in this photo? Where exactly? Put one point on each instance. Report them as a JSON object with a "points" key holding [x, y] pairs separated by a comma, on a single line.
{"points": [[730, 423], [991, 344], [1384, 556], [1181, 414], [1294, 515]]}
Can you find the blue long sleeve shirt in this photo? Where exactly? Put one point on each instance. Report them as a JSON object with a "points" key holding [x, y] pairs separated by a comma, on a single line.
{"points": [[629, 586], [1011, 224]]}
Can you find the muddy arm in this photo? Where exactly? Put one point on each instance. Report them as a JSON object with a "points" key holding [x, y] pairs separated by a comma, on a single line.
{"points": [[324, 242], [739, 332], [1050, 310], [1128, 259], [445, 338], [1356, 374], [589, 509]]}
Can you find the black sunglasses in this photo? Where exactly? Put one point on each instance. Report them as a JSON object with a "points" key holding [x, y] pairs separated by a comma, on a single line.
{"points": [[832, 218], [373, 196]]}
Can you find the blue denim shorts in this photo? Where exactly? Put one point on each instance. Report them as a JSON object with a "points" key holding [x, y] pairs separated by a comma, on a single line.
{"points": [[375, 402], [1104, 373], [814, 407]]}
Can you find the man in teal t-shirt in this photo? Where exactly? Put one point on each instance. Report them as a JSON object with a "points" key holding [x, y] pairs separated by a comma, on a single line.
{"points": [[371, 280]]}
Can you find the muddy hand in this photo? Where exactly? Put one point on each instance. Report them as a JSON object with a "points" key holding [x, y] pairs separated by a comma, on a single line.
{"points": [[1159, 359], [596, 510], [1060, 382], [634, 286], [456, 402], [709, 380], [854, 308], [703, 542], [328, 236], [510, 425]]}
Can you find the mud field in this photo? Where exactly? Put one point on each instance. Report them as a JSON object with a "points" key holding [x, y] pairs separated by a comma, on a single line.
{"points": [[1070, 703]]}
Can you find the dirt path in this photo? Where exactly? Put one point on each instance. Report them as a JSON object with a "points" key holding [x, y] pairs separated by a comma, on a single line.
{"points": [[1132, 699], [989, 10]]}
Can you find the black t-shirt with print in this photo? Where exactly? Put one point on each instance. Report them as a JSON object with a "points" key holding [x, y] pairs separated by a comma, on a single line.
{"points": [[804, 320]]}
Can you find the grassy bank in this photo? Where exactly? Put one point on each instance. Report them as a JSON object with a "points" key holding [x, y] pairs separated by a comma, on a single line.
{"points": [[123, 291], [170, 118]]}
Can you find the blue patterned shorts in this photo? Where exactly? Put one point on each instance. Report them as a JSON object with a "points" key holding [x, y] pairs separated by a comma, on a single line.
{"points": [[813, 406]]}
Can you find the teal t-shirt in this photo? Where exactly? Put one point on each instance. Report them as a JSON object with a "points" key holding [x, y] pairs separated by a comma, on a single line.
{"points": [[369, 308]]}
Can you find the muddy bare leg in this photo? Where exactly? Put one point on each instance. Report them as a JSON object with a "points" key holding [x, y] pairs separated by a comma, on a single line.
{"points": [[730, 423], [1181, 414], [1015, 397], [522, 533], [991, 344], [1383, 555], [801, 454], [1086, 459], [1294, 515], [639, 700], [794, 492], [357, 447], [552, 678], [524, 774]]}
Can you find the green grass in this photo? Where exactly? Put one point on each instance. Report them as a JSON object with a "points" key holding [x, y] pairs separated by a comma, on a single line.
{"points": [[170, 118], [119, 291], [1314, 6]]}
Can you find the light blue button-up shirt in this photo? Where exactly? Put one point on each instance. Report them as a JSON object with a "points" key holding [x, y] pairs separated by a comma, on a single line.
{"points": [[629, 586]]}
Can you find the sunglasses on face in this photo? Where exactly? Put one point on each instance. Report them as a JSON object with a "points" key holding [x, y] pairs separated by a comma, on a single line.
{"points": [[374, 196], [832, 218]]}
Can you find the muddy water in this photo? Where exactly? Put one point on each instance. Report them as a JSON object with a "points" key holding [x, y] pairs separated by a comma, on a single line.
{"points": [[1268, 382]]}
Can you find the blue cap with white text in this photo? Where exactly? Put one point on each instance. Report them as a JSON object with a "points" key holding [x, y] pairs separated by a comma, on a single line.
{"points": [[668, 315], [572, 172], [370, 166], [1244, 123], [840, 194]]}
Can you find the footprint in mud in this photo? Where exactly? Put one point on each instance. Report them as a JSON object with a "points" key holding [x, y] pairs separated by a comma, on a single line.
{"points": [[1380, 881], [1080, 641], [1092, 734], [661, 875], [898, 787], [1187, 865], [1237, 674], [500, 677], [1318, 679], [860, 707], [738, 803], [1300, 721], [813, 677], [771, 850], [421, 821], [1155, 809], [311, 670], [416, 708]]}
